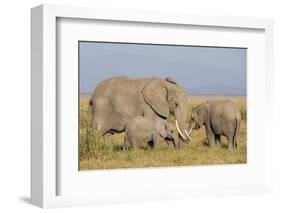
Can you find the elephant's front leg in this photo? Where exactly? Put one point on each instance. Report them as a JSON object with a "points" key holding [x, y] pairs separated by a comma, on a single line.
{"points": [[126, 143], [210, 137], [156, 140], [218, 140]]}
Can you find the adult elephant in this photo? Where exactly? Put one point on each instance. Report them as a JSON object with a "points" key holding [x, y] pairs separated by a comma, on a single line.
{"points": [[117, 100]]}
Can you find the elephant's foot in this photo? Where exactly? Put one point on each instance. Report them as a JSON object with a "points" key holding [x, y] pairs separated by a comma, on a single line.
{"points": [[212, 144], [217, 146], [230, 147], [125, 148]]}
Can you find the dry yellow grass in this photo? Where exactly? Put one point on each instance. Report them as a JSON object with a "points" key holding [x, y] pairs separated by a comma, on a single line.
{"points": [[95, 154]]}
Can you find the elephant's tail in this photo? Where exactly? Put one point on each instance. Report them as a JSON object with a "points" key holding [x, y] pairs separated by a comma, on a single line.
{"points": [[236, 132], [90, 112]]}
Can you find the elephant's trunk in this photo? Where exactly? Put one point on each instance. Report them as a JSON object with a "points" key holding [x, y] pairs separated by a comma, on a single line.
{"points": [[190, 127], [188, 133]]}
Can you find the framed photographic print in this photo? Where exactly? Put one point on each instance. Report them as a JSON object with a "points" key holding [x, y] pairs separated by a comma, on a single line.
{"points": [[129, 106]]}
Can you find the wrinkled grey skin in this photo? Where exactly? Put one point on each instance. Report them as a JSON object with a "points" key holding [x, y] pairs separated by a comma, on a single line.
{"points": [[220, 117], [141, 130], [117, 100]]}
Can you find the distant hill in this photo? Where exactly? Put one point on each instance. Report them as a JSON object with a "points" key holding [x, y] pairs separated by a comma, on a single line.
{"points": [[216, 91], [207, 91]]}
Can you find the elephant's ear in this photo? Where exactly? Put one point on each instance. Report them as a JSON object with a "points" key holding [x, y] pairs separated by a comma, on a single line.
{"points": [[171, 80], [155, 94], [161, 128]]}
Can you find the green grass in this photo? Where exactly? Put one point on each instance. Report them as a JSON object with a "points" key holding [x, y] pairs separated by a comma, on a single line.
{"points": [[96, 154]]}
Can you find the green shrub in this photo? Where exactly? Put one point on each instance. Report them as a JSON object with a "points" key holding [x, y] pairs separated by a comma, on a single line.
{"points": [[91, 144]]}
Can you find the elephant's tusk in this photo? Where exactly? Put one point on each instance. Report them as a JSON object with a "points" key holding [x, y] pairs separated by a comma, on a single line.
{"points": [[187, 133], [180, 131]]}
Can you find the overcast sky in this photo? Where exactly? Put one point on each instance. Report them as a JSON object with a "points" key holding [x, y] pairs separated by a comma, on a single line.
{"points": [[201, 70]]}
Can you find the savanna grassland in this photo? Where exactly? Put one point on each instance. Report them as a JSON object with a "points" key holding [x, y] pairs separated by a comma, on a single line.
{"points": [[96, 154]]}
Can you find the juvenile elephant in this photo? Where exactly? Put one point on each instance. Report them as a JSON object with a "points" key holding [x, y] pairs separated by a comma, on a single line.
{"points": [[141, 130], [220, 117]]}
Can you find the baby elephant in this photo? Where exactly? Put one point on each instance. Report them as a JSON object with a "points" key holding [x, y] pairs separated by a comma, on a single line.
{"points": [[220, 117], [142, 130]]}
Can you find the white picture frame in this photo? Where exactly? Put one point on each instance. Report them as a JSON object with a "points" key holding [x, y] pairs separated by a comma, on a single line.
{"points": [[44, 151]]}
